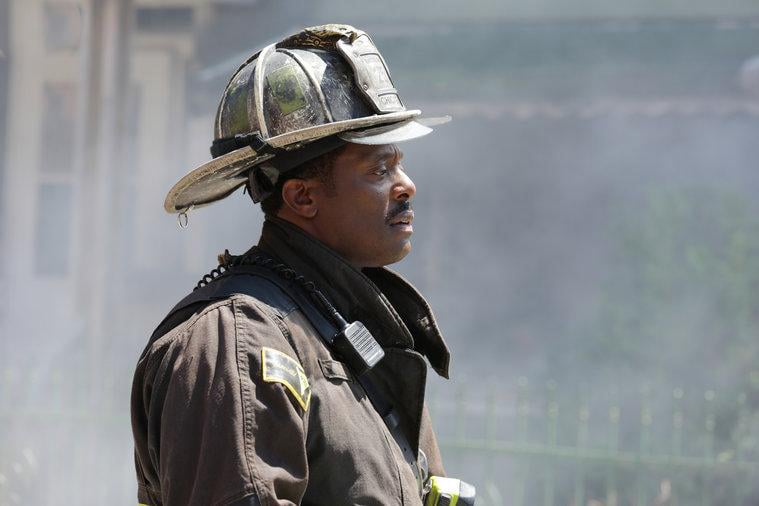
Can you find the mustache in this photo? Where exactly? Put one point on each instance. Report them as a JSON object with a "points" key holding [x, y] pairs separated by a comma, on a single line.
{"points": [[402, 208]]}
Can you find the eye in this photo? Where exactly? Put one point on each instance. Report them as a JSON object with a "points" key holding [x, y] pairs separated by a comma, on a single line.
{"points": [[379, 170]]}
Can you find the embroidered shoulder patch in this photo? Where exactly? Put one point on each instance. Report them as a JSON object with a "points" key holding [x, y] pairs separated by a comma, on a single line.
{"points": [[278, 367]]}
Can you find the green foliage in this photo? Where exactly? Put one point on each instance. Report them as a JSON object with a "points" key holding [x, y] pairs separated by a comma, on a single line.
{"points": [[683, 302]]}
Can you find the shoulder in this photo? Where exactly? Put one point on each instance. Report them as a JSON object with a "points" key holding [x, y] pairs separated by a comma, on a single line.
{"points": [[230, 320], [213, 320], [223, 340], [248, 293]]}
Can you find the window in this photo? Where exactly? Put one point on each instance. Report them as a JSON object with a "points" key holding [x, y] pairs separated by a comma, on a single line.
{"points": [[164, 19], [53, 229], [63, 26], [58, 128]]}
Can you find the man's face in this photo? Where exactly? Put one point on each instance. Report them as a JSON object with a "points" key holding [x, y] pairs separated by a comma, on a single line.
{"points": [[366, 217]]}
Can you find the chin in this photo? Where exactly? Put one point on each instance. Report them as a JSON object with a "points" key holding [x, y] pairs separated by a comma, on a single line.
{"points": [[382, 256], [398, 255]]}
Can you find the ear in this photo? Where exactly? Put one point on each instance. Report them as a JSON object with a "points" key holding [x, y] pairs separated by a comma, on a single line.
{"points": [[298, 195]]}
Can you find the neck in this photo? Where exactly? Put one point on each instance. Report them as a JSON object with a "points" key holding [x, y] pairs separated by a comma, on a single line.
{"points": [[302, 223], [311, 227]]}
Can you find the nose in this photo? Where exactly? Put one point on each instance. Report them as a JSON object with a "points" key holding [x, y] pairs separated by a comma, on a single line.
{"points": [[404, 188]]}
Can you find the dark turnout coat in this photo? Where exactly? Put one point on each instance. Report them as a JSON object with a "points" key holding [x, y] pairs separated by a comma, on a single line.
{"points": [[237, 401]]}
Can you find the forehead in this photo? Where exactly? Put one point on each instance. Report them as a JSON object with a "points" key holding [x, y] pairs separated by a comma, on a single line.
{"points": [[356, 153]]}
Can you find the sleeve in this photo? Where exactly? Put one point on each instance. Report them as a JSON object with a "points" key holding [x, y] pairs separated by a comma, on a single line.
{"points": [[216, 432]]}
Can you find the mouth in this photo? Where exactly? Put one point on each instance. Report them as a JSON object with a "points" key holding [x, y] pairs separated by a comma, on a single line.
{"points": [[403, 220]]}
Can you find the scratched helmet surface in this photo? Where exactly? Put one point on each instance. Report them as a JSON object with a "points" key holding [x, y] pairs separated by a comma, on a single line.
{"points": [[293, 101]]}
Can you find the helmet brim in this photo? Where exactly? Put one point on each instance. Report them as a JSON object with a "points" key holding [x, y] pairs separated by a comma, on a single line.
{"points": [[391, 134], [221, 176]]}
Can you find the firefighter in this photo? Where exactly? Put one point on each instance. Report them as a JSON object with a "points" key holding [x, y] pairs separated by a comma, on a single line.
{"points": [[295, 372]]}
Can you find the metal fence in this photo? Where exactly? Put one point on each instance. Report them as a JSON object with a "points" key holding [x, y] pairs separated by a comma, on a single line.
{"points": [[62, 439], [599, 445]]}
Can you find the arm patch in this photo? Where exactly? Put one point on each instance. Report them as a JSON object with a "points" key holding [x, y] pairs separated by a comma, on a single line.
{"points": [[277, 367]]}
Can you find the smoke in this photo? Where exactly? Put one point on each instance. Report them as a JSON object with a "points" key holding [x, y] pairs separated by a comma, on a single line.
{"points": [[585, 221]]}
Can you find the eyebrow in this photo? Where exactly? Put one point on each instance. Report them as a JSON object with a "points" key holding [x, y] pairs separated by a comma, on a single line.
{"points": [[393, 153]]}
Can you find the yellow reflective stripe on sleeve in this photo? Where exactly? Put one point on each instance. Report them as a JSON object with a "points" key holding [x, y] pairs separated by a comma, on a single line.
{"points": [[278, 367]]}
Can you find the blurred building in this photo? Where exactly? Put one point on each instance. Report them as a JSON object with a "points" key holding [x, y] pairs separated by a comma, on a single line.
{"points": [[41, 106], [4, 40], [95, 125], [105, 103], [92, 98]]}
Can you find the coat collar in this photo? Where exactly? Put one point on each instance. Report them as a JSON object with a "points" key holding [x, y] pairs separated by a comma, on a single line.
{"points": [[390, 307]]}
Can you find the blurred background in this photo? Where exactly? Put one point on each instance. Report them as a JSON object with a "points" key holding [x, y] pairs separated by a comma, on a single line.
{"points": [[587, 232]]}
